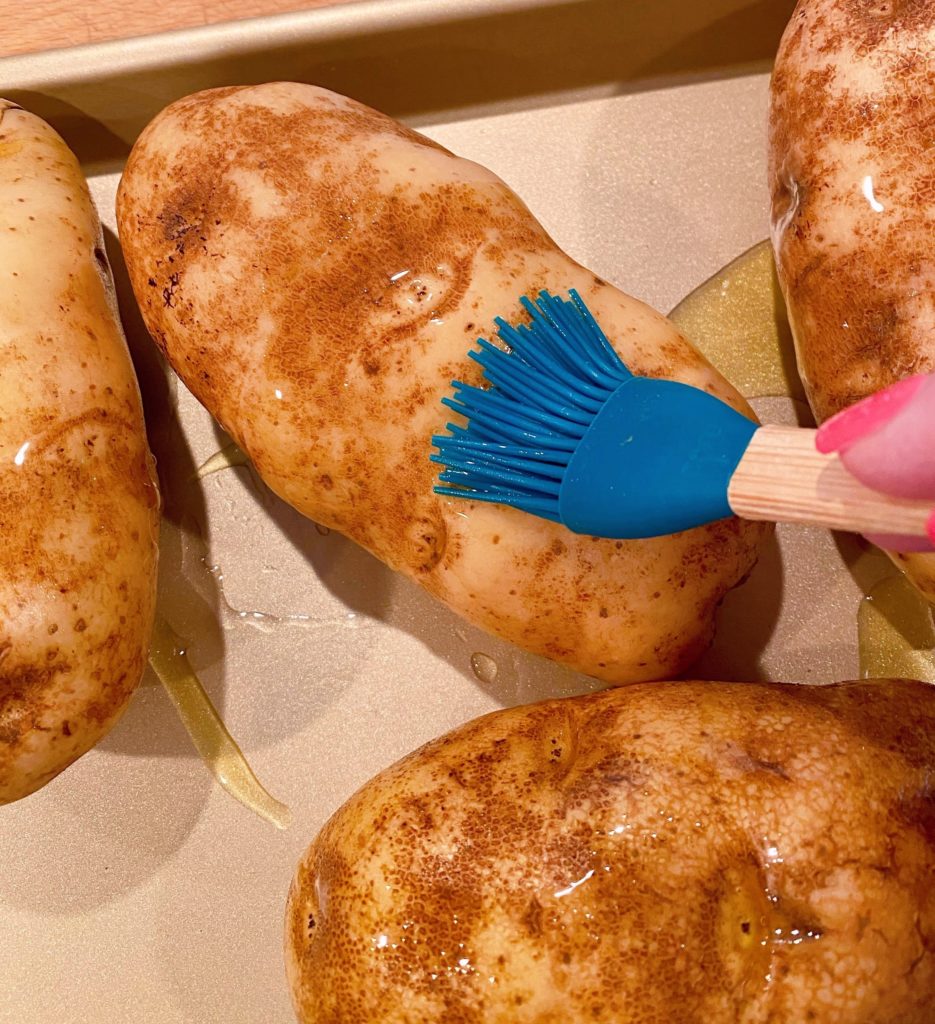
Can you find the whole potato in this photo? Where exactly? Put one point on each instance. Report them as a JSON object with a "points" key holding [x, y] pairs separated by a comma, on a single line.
{"points": [[78, 499], [852, 180], [674, 852], [316, 273]]}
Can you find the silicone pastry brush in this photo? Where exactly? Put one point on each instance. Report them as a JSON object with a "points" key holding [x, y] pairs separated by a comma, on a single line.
{"points": [[566, 432]]}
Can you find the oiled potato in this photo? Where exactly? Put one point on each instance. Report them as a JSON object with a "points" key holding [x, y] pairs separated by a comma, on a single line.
{"points": [[670, 853], [316, 273], [78, 501], [852, 177]]}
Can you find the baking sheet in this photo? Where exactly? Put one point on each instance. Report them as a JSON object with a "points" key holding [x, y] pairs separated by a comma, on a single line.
{"points": [[133, 888]]}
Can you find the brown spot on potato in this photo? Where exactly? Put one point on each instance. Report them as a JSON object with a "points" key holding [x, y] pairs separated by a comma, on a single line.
{"points": [[428, 539], [870, 22], [23, 696], [532, 918]]}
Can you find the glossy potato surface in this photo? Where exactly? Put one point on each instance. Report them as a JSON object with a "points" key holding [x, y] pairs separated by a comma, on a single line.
{"points": [[317, 273], [78, 500], [673, 853], [852, 179]]}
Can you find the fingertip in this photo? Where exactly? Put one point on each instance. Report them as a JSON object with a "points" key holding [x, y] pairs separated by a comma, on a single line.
{"points": [[823, 443], [930, 526], [826, 440], [866, 416]]}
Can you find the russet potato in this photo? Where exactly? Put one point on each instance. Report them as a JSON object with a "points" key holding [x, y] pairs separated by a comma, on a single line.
{"points": [[852, 180], [78, 498], [667, 853], [317, 273]]}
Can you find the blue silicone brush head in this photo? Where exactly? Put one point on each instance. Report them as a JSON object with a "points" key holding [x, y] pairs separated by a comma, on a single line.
{"points": [[566, 432]]}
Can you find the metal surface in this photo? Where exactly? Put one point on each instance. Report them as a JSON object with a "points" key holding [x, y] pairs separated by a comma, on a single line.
{"points": [[425, 60], [133, 888]]}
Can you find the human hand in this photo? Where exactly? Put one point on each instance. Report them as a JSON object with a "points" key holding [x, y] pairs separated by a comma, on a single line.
{"points": [[887, 441]]}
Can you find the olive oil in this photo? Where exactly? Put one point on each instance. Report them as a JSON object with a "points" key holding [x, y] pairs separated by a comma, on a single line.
{"points": [[737, 319], [896, 633], [208, 733]]}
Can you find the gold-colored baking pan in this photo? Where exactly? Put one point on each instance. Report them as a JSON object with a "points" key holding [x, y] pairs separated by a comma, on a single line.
{"points": [[133, 888]]}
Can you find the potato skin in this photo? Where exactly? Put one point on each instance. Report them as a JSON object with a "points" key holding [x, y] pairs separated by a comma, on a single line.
{"points": [[78, 499], [852, 181], [695, 852], [316, 273]]}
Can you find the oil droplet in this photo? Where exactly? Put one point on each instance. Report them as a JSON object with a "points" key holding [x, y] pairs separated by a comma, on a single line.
{"points": [[791, 936], [737, 319], [323, 530], [895, 633], [570, 888], [484, 667], [208, 733], [263, 621], [226, 458]]}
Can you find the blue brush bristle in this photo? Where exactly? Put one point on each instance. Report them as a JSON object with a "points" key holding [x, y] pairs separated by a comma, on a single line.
{"points": [[544, 392]]}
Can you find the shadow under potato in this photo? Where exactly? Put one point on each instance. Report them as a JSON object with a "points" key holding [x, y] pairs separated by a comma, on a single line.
{"points": [[98, 147], [190, 610], [105, 826], [365, 586]]}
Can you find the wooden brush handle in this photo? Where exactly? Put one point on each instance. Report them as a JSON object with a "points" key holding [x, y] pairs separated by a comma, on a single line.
{"points": [[783, 478]]}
